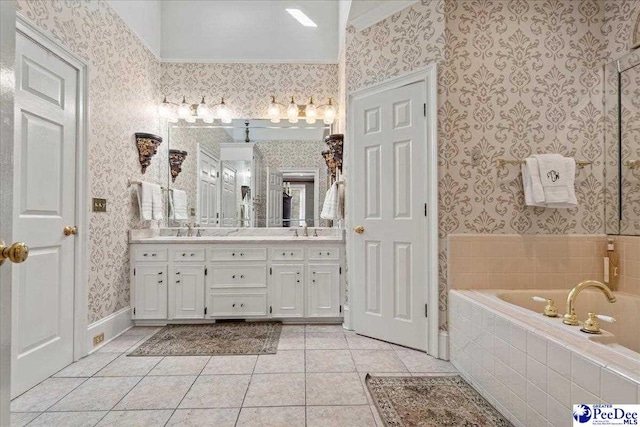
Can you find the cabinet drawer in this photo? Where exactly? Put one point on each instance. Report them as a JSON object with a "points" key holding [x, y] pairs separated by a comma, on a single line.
{"points": [[323, 253], [233, 276], [150, 254], [234, 254], [287, 254], [238, 304], [188, 254]]}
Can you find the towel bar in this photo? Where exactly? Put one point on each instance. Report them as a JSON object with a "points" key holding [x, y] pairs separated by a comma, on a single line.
{"points": [[134, 182], [503, 162]]}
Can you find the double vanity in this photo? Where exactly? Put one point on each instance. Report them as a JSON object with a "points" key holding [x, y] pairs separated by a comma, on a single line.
{"points": [[237, 274]]}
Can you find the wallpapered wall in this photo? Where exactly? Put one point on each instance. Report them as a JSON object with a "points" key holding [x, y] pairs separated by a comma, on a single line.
{"points": [[515, 78], [123, 91]]}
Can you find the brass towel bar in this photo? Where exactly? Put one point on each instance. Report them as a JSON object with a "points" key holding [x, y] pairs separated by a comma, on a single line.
{"points": [[503, 162]]}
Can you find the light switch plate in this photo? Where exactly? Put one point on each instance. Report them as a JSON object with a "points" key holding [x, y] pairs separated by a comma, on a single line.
{"points": [[99, 205]]}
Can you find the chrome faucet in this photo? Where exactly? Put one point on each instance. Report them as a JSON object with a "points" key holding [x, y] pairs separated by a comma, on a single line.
{"points": [[570, 317]]}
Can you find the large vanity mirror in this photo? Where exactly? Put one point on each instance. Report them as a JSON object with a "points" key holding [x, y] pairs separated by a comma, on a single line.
{"points": [[622, 142], [249, 173]]}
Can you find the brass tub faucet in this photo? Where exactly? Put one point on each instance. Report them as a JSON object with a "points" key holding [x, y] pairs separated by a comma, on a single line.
{"points": [[570, 317]]}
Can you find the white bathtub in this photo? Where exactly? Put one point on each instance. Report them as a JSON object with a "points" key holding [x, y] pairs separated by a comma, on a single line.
{"points": [[533, 368]]}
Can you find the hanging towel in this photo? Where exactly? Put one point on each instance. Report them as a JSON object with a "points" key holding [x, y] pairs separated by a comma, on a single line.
{"points": [[331, 207], [533, 191], [158, 210], [144, 192], [178, 201], [558, 175]]}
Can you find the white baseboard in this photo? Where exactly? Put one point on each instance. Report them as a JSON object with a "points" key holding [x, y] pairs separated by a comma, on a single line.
{"points": [[112, 326], [443, 345], [346, 321]]}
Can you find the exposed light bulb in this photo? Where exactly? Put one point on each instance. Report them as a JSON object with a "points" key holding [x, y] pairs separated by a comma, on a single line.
{"points": [[327, 121], [310, 120], [224, 113], [165, 109], [208, 119], [274, 111], [184, 110], [292, 111], [203, 109], [190, 119], [330, 111]]}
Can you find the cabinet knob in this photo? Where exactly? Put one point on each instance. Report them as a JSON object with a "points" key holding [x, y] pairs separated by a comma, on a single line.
{"points": [[177, 272], [298, 281], [242, 276], [160, 281], [161, 273], [233, 254], [184, 254], [153, 254], [241, 305], [177, 281], [283, 253], [192, 255], [233, 305], [233, 277], [291, 253], [145, 254], [241, 254]]}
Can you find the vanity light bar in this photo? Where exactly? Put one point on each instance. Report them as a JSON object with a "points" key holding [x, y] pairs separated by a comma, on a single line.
{"points": [[301, 17]]}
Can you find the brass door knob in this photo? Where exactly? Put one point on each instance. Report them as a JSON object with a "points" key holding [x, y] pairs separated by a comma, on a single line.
{"points": [[16, 253], [359, 229], [69, 230]]}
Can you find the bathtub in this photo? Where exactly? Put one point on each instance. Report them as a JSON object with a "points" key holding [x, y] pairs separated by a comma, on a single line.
{"points": [[533, 368]]}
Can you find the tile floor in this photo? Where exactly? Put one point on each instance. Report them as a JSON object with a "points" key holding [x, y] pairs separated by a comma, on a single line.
{"points": [[315, 379]]}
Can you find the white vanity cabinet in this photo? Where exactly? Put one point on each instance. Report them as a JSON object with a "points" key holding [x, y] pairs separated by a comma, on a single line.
{"points": [[199, 282]]}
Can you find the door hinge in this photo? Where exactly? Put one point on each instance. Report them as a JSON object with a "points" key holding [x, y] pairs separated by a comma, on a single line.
{"points": [[270, 271], [340, 270], [134, 311], [425, 209], [134, 271], [217, 174], [206, 271], [425, 110], [205, 311], [426, 311], [340, 309], [270, 309]]}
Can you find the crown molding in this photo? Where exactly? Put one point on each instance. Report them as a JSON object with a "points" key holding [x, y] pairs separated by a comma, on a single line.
{"points": [[380, 13]]}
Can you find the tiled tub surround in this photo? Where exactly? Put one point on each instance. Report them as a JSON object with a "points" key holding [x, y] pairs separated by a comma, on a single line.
{"points": [[628, 248], [532, 368]]}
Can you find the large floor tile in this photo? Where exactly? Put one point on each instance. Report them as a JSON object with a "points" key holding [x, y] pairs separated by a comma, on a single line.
{"points": [[125, 366], [329, 361], [120, 344], [217, 391], [97, 394], [282, 362], [204, 417], [180, 365], [69, 419], [87, 366], [340, 416], [276, 390], [292, 329], [291, 342], [358, 342], [20, 419], [325, 341], [377, 361], [228, 365], [141, 331], [136, 418], [45, 394], [157, 393], [335, 389], [289, 416], [417, 361], [325, 328]]}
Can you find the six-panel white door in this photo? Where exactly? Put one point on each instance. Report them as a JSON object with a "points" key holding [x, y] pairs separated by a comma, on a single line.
{"points": [[150, 297], [274, 198], [229, 197], [388, 187], [187, 290], [208, 167], [46, 108], [323, 289], [287, 290]]}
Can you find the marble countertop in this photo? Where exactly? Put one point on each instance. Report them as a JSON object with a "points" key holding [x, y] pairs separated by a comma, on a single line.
{"points": [[237, 235], [238, 239]]}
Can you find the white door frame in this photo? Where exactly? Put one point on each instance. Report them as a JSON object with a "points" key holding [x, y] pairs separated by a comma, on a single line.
{"points": [[316, 189], [429, 76], [81, 276]]}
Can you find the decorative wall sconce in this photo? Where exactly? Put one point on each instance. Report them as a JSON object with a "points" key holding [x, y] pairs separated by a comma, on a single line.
{"points": [[147, 148], [310, 112], [333, 156], [173, 111], [176, 158]]}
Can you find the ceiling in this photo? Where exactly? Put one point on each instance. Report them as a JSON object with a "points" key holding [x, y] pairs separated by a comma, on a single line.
{"points": [[234, 31]]}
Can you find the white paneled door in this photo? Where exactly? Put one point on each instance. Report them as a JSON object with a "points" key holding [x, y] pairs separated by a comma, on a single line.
{"points": [[274, 198], [229, 197], [208, 166], [388, 189], [46, 108]]}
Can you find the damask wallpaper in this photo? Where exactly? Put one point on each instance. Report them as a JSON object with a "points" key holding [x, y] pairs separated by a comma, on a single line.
{"points": [[515, 78], [123, 93]]}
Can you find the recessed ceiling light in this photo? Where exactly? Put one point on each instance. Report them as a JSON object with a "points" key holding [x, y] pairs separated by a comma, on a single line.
{"points": [[301, 17]]}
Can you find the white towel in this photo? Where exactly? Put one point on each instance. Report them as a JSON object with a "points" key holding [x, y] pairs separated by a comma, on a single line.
{"points": [[533, 192], [145, 200], [331, 207], [558, 175], [178, 200], [158, 208]]}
